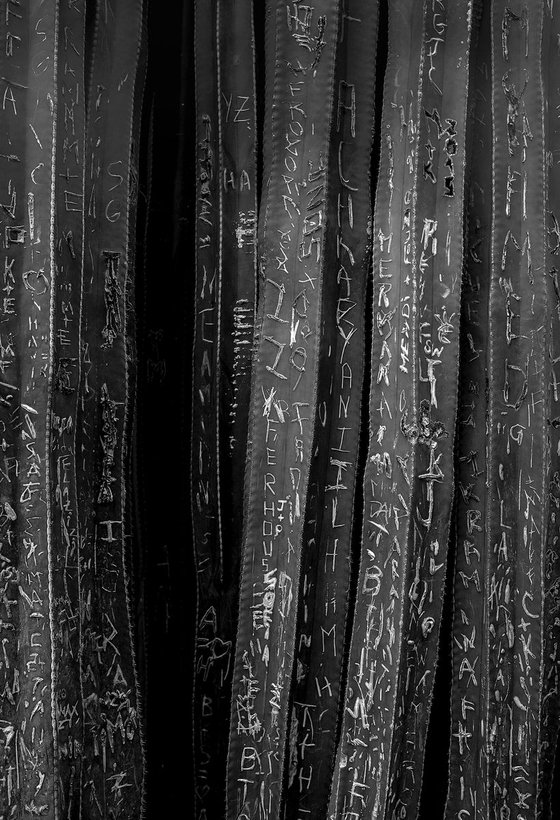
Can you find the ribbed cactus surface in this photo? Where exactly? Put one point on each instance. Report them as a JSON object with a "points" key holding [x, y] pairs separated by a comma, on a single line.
{"points": [[71, 735], [280, 409]]}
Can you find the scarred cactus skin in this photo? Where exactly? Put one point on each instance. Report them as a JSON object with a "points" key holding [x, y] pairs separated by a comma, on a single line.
{"points": [[283, 409], [439, 226], [504, 724], [28, 175], [518, 351], [280, 409], [550, 706], [328, 534], [106, 397], [408, 485], [226, 213], [466, 760], [70, 710], [344, 553]]}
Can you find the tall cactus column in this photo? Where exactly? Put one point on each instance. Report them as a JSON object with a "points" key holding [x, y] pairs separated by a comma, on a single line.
{"points": [[550, 706], [66, 293], [28, 176], [503, 716], [301, 44], [225, 296], [439, 237], [112, 742], [332, 509], [360, 778], [326, 687], [467, 756], [408, 486], [69, 708], [518, 449]]}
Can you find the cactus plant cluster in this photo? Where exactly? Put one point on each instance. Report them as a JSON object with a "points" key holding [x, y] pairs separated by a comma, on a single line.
{"points": [[71, 732], [429, 174], [280, 283]]}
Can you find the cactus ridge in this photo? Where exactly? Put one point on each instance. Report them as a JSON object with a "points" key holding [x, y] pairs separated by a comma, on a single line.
{"points": [[222, 352], [336, 467], [71, 701], [517, 504], [284, 389], [467, 754], [308, 251]]}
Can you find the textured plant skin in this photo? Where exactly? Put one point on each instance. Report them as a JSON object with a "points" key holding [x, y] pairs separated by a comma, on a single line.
{"points": [[336, 468], [550, 714], [518, 406], [223, 345], [319, 597], [112, 741], [69, 708], [408, 480], [68, 251], [204, 468], [238, 187], [207, 534], [393, 249], [467, 758], [300, 86], [439, 209], [27, 676]]}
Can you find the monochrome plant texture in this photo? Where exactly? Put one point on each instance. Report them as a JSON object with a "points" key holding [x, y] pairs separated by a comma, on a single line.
{"points": [[280, 409], [401, 422]]}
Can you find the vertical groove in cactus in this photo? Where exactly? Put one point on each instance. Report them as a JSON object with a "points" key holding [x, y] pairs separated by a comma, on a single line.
{"points": [[327, 538], [284, 395], [112, 740], [205, 414], [439, 208], [226, 213], [518, 407], [467, 757], [164, 294], [360, 782], [28, 676], [349, 414], [238, 217], [64, 460], [69, 702]]}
